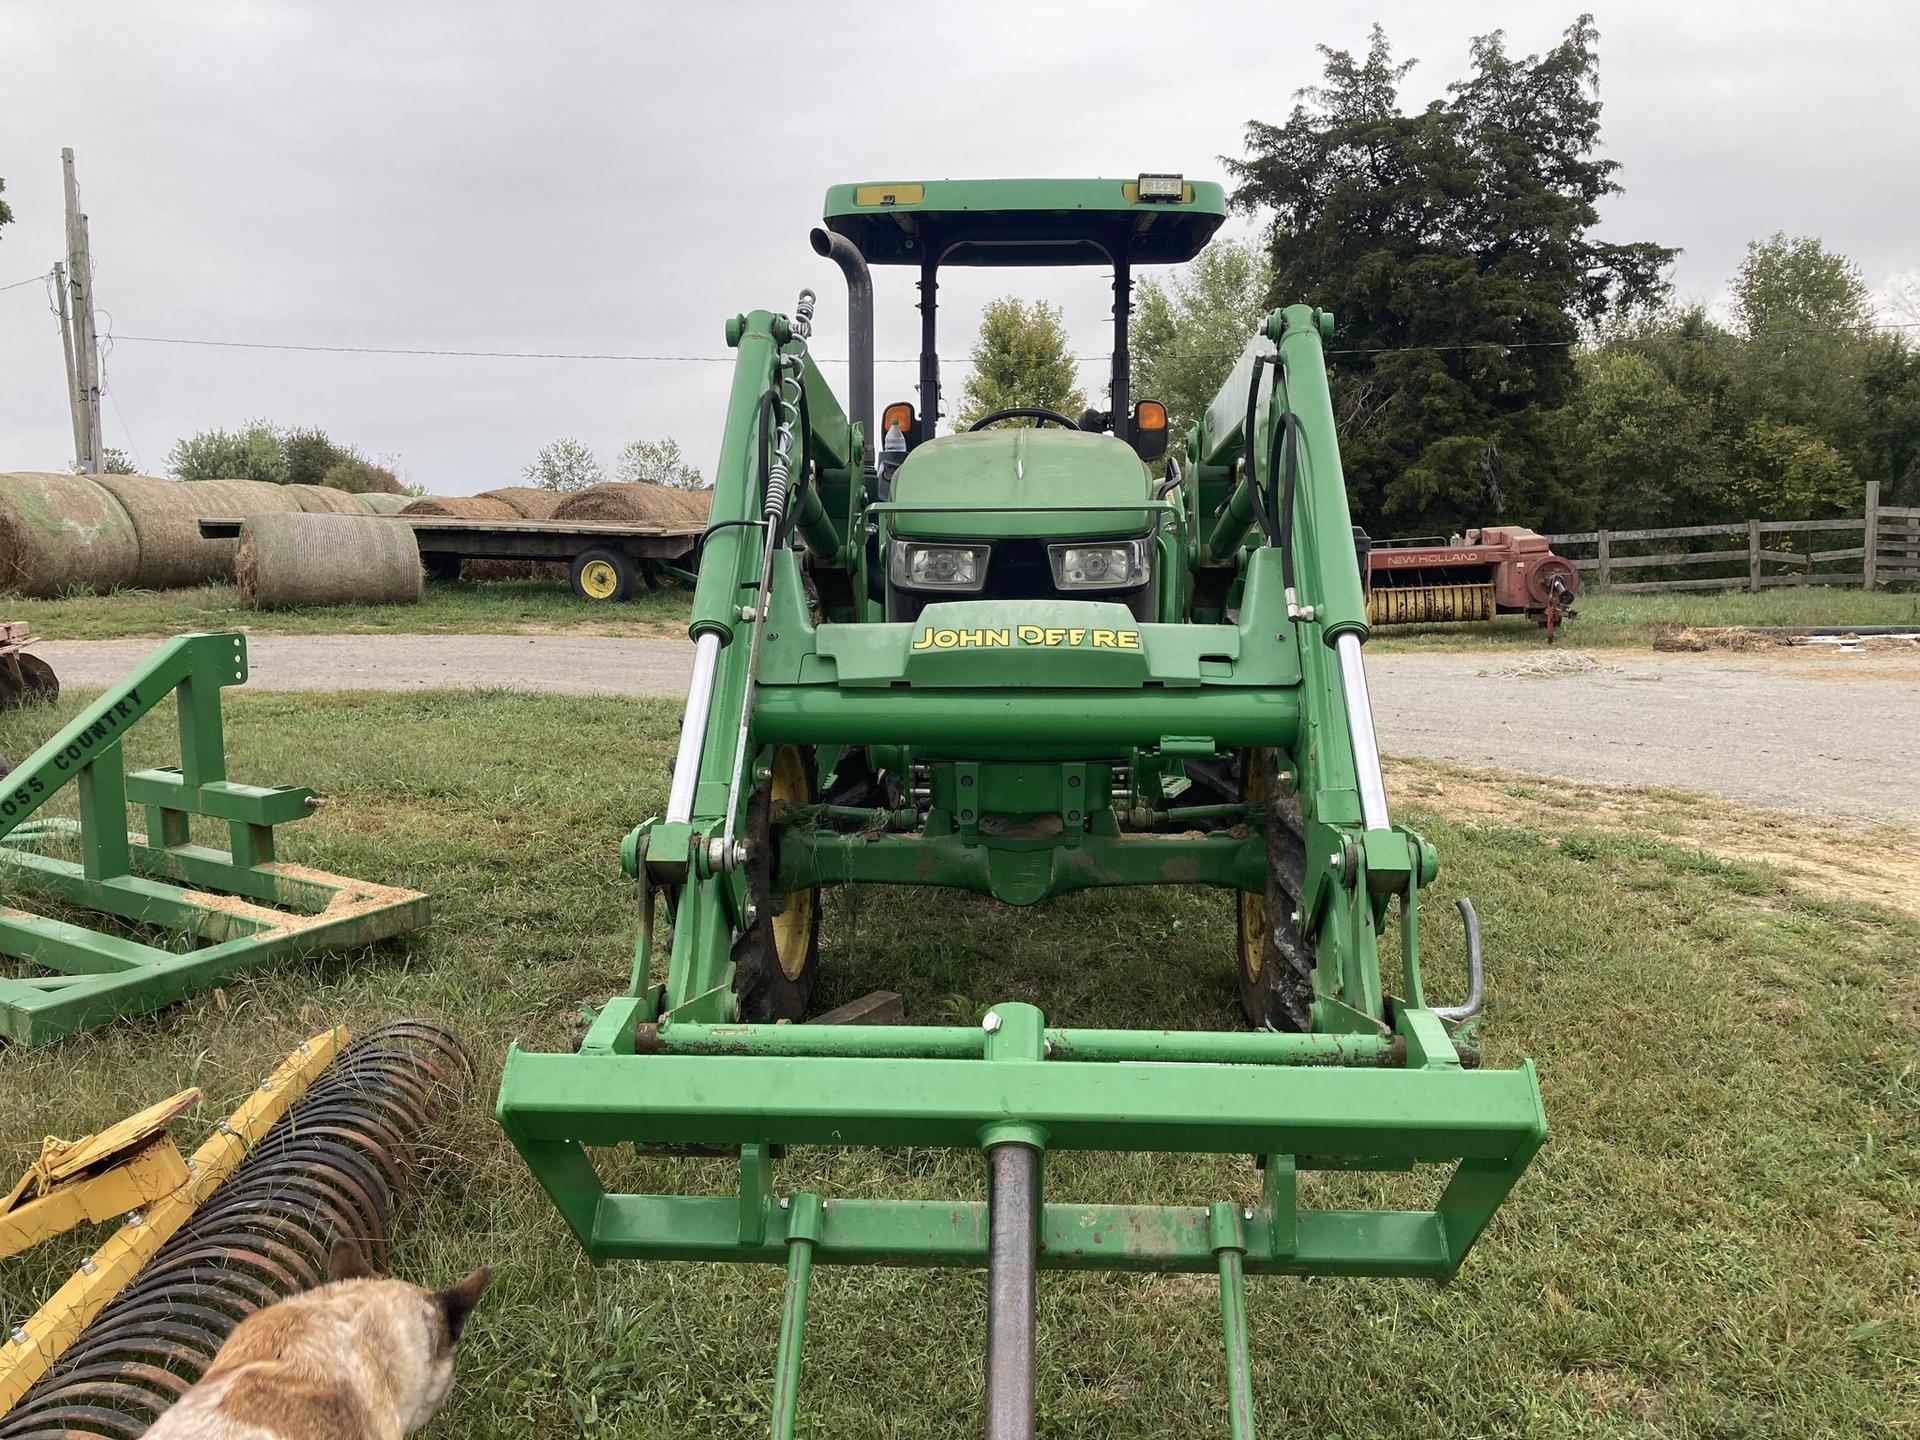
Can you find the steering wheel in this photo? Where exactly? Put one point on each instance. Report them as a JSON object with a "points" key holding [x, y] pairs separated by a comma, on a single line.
{"points": [[1022, 412]]}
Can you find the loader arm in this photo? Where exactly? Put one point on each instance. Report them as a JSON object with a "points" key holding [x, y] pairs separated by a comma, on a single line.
{"points": [[1073, 719]]}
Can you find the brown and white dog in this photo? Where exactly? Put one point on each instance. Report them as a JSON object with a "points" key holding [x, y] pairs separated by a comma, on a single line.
{"points": [[359, 1358]]}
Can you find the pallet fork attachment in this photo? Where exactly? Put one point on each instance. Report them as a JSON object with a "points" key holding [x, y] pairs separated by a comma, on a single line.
{"points": [[241, 907], [1022, 733]]}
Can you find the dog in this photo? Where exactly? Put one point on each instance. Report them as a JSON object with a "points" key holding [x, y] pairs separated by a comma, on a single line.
{"points": [[358, 1358]]}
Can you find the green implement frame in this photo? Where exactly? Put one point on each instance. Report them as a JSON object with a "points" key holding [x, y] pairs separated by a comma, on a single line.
{"points": [[1023, 744], [228, 910]]}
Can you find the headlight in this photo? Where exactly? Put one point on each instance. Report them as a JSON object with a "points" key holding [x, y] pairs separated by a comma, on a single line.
{"points": [[1115, 566], [938, 567]]}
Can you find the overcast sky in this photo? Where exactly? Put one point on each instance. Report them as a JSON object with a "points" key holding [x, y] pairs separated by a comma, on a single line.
{"points": [[621, 178]]}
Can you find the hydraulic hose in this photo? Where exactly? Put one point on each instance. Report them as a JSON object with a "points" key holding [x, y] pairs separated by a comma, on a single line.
{"points": [[1262, 511], [1283, 469]]}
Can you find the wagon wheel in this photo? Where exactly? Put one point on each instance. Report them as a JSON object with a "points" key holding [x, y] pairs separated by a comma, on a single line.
{"points": [[1275, 966], [602, 574], [777, 958], [658, 577]]}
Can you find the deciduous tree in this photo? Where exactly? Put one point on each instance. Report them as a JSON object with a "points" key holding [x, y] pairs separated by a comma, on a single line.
{"points": [[1020, 359], [1187, 332], [566, 464], [658, 462]]}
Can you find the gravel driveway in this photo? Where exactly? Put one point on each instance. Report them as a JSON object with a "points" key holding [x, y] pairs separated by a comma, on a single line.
{"points": [[1789, 729]]}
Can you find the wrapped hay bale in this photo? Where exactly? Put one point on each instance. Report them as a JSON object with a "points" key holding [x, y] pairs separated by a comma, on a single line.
{"points": [[312, 559], [530, 502], [325, 500], [166, 517], [58, 531], [382, 504], [636, 504]]}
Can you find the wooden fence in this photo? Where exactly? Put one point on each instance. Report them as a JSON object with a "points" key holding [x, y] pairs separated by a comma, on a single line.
{"points": [[1775, 552]]}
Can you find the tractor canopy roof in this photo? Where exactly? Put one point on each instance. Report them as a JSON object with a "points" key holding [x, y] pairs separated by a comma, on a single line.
{"points": [[1153, 220]]}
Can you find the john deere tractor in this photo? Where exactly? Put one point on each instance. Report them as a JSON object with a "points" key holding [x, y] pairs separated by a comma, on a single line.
{"points": [[1014, 662]]}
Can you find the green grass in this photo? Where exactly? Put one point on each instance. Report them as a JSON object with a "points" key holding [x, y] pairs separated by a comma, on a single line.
{"points": [[461, 607], [1721, 1238], [1610, 620]]}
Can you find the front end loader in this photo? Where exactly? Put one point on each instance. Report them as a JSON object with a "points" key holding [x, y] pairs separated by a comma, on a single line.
{"points": [[1015, 662]]}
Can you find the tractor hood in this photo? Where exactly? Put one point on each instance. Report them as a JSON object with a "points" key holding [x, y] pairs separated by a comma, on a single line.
{"points": [[1020, 484]]}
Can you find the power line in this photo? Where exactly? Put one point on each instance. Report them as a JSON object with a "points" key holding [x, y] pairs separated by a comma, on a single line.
{"points": [[407, 350], [30, 280], [441, 352]]}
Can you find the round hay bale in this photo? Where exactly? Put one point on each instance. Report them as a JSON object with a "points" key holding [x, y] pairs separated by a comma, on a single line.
{"points": [[58, 531], [166, 517], [311, 559], [530, 502], [634, 504], [462, 507], [381, 503], [325, 500]]}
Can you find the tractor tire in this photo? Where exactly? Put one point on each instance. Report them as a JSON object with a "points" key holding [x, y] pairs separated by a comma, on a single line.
{"points": [[776, 960], [1272, 960], [27, 680], [42, 685], [602, 575]]}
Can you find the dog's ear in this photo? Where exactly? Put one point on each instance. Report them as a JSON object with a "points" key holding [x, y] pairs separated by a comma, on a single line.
{"points": [[347, 1263], [458, 1299]]}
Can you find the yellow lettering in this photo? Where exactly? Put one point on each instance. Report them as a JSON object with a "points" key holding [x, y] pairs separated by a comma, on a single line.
{"points": [[997, 637], [945, 639], [923, 641], [1031, 635], [1103, 639], [1128, 639], [1054, 637], [1074, 637]]}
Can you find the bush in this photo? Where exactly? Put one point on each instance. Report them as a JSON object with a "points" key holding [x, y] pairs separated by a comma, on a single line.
{"points": [[303, 455], [310, 455], [357, 475], [255, 453]]}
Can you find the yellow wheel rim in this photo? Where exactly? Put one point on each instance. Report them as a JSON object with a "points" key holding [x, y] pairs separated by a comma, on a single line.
{"points": [[1253, 908], [793, 926], [599, 579]]}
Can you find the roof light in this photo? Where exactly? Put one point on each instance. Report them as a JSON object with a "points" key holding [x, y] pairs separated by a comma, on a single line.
{"points": [[1161, 189]]}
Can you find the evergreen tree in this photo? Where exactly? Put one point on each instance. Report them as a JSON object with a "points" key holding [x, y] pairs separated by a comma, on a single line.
{"points": [[1454, 247]]}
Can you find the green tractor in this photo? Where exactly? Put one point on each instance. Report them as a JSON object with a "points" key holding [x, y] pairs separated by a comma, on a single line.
{"points": [[1013, 662]]}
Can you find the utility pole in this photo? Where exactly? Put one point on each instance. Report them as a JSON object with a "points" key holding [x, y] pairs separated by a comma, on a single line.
{"points": [[86, 342], [66, 344]]}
